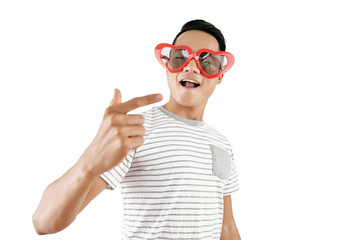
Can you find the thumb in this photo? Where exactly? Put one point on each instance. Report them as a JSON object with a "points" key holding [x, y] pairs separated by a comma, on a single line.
{"points": [[116, 98]]}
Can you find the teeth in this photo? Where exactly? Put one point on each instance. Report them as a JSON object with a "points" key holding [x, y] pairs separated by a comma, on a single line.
{"points": [[188, 80]]}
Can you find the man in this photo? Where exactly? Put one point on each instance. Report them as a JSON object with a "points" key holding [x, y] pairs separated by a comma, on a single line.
{"points": [[175, 171]]}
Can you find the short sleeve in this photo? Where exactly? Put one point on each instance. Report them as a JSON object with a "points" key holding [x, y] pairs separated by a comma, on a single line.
{"points": [[115, 175], [231, 185]]}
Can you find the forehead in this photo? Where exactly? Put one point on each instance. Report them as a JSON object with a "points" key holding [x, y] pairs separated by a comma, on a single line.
{"points": [[197, 40]]}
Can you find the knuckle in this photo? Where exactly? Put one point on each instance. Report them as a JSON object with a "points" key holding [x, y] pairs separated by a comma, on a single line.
{"points": [[120, 131], [127, 119], [113, 119], [114, 133], [117, 119], [142, 119]]}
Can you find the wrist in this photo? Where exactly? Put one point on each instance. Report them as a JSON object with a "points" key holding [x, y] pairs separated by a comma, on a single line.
{"points": [[87, 167]]}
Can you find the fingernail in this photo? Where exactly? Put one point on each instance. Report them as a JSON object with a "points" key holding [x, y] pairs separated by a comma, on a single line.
{"points": [[158, 97]]}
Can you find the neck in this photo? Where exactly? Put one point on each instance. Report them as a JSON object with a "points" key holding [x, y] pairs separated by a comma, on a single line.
{"points": [[188, 112]]}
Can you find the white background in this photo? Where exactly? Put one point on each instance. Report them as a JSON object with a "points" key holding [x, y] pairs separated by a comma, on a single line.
{"points": [[290, 106]]}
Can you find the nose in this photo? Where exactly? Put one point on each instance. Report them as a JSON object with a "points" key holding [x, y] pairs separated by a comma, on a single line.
{"points": [[191, 67]]}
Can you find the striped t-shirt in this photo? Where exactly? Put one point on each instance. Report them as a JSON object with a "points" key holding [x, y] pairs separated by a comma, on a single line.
{"points": [[173, 186]]}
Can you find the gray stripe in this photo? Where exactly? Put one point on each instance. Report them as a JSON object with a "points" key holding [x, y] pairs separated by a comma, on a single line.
{"points": [[172, 185], [174, 214], [176, 232], [163, 238], [200, 232], [173, 220], [172, 150], [108, 181], [177, 143], [162, 163], [167, 197], [190, 135], [173, 191], [172, 179], [181, 226], [114, 177], [171, 156], [188, 138], [233, 178], [170, 173], [162, 209], [232, 189], [163, 122], [121, 176], [172, 126], [127, 162], [154, 114], [161, 203], [168, 168]]}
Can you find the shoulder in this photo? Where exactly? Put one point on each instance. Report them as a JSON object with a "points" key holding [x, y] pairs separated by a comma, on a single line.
{"points": [[215, 132]]}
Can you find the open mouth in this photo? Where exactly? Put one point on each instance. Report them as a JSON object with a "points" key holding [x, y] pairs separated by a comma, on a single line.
{"points": [[189, 83]]}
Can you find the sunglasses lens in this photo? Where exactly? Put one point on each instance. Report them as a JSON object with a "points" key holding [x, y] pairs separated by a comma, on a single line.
{"points": [[174, 58], [212, 64]]}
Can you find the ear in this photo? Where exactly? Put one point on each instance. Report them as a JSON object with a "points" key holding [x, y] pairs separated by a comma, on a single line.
{"points": [[220, 79]]}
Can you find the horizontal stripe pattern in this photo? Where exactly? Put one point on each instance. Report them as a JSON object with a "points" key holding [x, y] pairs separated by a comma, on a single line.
{"points": [[168, 185]]}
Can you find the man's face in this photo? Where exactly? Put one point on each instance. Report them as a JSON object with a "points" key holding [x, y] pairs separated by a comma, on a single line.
{"points": [[180, 92]]}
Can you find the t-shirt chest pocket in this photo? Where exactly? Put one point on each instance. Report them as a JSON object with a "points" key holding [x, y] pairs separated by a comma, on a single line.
{"points": [[221, 162]]}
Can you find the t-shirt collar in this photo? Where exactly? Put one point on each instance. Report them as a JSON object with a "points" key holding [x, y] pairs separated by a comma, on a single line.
{"points": [[181, 119]]}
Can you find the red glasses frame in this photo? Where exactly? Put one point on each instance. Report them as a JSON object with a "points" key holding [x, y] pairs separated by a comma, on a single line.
{"points": [[193, 55]]}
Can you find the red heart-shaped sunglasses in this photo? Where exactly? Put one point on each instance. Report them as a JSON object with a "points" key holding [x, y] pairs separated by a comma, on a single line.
{"points": [[210, 63]]}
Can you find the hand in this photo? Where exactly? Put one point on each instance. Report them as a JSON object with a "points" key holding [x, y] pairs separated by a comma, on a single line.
{"points": [[119, 133]]}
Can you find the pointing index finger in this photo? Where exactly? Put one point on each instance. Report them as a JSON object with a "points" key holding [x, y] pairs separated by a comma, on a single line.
{"points": [[137, 103]]}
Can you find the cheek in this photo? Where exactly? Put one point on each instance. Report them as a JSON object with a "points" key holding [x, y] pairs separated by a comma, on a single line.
{"points": [[171, 77], [209, 87], [211, 84]]}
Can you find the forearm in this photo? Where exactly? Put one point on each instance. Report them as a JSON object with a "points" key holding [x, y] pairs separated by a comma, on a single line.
{"points": [[230, 234], [62, 200]]}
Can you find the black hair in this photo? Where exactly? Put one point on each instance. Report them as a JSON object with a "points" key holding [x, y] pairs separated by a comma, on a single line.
{"points": [[204, 26]]}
